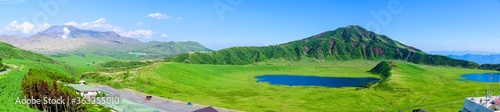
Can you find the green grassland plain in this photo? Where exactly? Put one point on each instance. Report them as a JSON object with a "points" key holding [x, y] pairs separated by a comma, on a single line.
{"points": [[411, 86]]}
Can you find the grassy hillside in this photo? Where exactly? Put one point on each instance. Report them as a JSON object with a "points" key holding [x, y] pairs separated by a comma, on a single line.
{"points": [[150, 50], [2, 66], [10, 88], [8, 51], [410, 86], [345, 43], [79, 64], [384, 70], [20, 61]]}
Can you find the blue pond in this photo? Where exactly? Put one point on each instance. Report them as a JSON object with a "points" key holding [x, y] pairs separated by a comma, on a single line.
{"points": [[297, 80], [482, 77]]}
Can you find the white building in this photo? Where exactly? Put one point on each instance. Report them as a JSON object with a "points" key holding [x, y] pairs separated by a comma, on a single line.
{"points": [[85, 90]]}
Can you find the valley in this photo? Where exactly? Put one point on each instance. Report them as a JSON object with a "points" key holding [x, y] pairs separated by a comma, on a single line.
{"points": [[404, 78], [234, 86]]}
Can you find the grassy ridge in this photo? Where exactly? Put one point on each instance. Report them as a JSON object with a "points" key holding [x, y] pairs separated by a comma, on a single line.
{"points": [[151, 50], [79, 64], [10, 86], [345, 43], [235, 87], [8, 51]]}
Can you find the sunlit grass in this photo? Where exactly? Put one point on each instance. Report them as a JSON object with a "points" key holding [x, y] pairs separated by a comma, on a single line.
{"points": [[235, 87], [79, 64]]}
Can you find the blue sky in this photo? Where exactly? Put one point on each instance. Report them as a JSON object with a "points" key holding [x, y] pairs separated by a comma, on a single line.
{"points": [[431, 25]]}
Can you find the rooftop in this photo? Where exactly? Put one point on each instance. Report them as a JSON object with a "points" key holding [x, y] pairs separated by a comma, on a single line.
{"points": [[207, 109], [83, 88]]}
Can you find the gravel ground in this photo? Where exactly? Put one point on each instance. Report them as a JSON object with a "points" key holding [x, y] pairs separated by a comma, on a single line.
{"points": [[164, 105]]}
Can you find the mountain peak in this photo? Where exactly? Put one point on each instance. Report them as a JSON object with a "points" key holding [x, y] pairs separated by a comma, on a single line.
{"points": [[353, 27], [68, 31], [57, 30]]}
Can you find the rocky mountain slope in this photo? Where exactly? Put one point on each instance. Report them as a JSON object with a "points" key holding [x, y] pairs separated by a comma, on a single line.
{"points": [[69, 40]]}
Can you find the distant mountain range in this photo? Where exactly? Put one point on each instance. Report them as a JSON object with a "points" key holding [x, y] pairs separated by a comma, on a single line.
{"points": [[446, 53], [66, 31], [478, 58], [66, 39], [345, 43]]}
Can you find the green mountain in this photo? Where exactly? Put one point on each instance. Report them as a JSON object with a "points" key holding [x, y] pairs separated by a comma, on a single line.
{"points": [[8, 51], [345, 43], [149, 50]]}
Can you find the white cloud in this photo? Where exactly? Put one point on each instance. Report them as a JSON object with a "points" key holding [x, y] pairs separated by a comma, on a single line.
{"points": [[23, 28], [139, 24], [179, 18], [27, 28], [72, 23], [134, 33], [66, 32], [101, 25], [164, 35], [158, 16]]}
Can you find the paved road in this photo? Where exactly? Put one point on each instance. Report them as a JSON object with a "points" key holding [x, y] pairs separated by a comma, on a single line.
{"points": [[164, 105]]}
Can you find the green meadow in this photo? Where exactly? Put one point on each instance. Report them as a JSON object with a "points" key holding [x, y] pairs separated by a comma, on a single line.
{"points": [[79, 64], [411, 86]]}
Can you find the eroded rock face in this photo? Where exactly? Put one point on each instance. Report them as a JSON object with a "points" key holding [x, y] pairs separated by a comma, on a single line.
{"points": [[66, 31]]}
